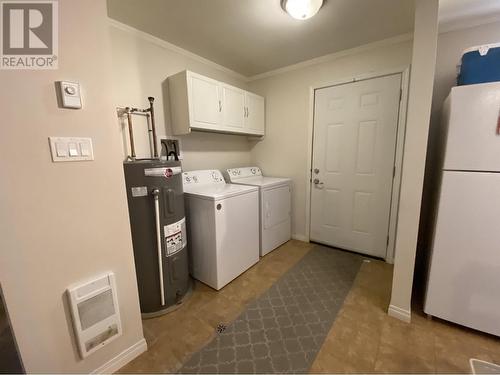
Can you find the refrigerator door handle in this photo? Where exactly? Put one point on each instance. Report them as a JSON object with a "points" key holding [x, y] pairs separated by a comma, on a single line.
{"points": [[498, 124], [156, 195]]}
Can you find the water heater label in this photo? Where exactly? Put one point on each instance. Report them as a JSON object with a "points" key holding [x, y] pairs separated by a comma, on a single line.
{"points": [[139, 191], [175, 236]]}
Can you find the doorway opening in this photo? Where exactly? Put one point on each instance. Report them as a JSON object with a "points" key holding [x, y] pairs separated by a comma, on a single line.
{"points": [[10, 360], [357, 137]]}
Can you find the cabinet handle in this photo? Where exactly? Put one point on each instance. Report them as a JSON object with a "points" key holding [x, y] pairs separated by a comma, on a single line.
{"points": [[248, 112], [220, 106]]}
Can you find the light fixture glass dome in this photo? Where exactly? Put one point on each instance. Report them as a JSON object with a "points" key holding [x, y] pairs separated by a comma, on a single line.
{"points": [[301, 9]]}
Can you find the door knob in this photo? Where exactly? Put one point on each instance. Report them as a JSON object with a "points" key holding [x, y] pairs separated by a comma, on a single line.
{"points": [[317, 182], [316, 170]]}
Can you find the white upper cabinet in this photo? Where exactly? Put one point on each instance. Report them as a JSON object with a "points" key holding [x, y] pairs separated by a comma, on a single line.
{"points": [[233, 108], [201, 103], [254, 114], [205, 102]]}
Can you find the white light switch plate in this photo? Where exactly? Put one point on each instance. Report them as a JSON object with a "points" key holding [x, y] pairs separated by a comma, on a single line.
{"points": [[71, 149]]}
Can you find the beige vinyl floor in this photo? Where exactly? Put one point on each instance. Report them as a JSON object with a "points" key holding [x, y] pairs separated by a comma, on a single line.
{"points": [[363, 338]]}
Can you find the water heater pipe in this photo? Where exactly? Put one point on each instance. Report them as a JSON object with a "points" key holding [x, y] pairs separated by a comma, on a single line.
{"points": [[156, 193], [128, 111], [153, 128]]}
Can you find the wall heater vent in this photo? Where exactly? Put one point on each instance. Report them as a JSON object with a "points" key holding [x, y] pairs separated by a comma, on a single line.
{"points": [[96, 316]]}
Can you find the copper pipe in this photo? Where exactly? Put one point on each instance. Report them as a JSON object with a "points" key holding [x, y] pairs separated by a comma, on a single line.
{"points": [[130, 132], [153, 128]]}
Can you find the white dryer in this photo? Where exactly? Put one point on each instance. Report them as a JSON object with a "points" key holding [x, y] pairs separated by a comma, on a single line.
{"points": [[223, 227], [275, 205]]}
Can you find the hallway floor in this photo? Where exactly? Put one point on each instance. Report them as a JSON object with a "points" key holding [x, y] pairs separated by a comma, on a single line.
{"points": [[363, 337]]}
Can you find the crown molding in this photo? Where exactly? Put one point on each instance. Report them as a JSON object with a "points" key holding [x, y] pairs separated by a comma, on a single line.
{"points": [[172, 47], [444, 27], [467, 23], [318, 60], [333, 56]]}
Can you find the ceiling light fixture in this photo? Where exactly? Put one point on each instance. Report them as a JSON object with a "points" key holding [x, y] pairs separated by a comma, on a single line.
{"points": [[301, 9]]}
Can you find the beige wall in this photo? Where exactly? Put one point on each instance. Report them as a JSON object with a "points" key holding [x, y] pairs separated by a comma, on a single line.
{"points": [[284, 151], [66, 222], [450, 48], [141, 64], [419, 107]]}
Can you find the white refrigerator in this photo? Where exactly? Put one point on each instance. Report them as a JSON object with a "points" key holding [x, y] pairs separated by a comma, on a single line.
{"points": [[464, 276]]}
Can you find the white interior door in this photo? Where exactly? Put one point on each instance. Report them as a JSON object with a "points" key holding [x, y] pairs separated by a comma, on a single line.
{"points": [[355, 128]]}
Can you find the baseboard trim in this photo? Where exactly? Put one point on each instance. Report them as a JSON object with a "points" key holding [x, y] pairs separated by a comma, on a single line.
{"points": [[300, 237], [123, 358], [399, 313]]}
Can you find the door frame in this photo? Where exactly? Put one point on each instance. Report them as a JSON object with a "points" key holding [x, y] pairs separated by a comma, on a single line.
{"points": [[398, 161]]}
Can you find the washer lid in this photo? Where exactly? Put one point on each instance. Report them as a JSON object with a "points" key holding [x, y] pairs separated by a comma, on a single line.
{"points": [[217, 191], [263, 182]]}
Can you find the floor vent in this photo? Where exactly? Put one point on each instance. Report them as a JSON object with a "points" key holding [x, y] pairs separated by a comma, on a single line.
{"points": [[221, 327]]}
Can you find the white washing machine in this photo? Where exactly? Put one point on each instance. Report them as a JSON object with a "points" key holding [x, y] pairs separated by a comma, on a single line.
{"points": [[275, 205], [223, 227]]}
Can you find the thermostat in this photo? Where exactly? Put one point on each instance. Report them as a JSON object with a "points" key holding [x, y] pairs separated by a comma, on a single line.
{"points": [[70, 94]]}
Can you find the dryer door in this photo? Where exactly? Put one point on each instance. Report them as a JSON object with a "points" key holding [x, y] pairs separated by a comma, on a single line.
{"points": [[276, 206]]}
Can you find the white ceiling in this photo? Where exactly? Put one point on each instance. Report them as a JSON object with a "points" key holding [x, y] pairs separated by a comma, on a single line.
{"points": [[461, 10], [256, 36]]}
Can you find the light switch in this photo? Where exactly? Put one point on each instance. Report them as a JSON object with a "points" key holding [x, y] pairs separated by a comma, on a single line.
{"points": [[61, 149], [84, 149], [71, 149]]}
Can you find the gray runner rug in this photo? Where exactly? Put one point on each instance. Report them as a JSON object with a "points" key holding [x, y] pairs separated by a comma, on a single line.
{"points": [[283, 330]]}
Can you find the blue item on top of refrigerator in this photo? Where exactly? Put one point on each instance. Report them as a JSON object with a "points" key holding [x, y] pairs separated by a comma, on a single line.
{"points": [[480, 64]]}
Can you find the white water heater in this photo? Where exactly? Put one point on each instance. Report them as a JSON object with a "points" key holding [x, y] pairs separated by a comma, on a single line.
{"points": [[96, 316]]}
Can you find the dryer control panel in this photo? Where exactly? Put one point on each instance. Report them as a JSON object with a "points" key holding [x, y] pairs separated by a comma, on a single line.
{"points": [[236, 173], [203, 177]]}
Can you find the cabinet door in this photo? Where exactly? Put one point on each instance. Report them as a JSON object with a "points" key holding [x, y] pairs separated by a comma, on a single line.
{"points": [[205, 105], [254, 114], [233, 108]]}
